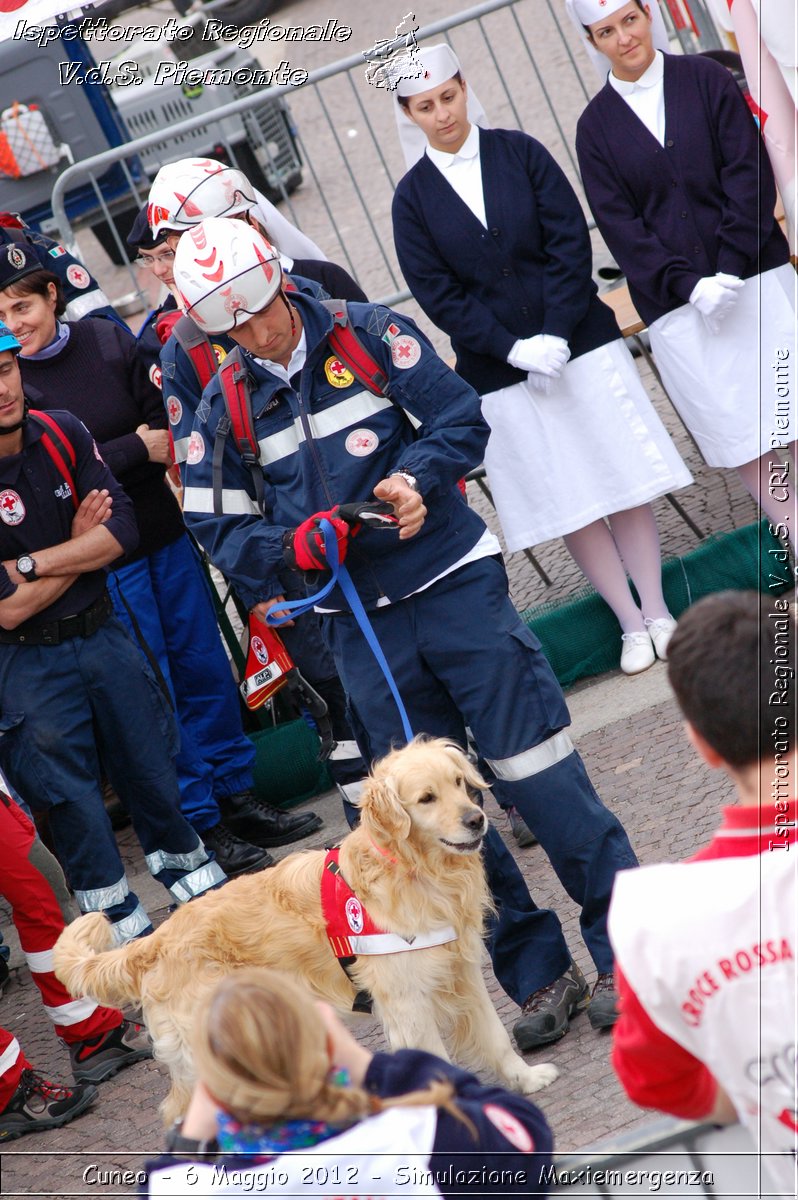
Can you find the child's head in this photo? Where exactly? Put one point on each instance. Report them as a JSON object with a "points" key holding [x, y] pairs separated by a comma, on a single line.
{"points": [[731, 664]]}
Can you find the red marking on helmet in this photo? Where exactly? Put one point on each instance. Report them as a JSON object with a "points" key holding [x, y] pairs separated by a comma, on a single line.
{"points": [[156, 213], [267, 264], [207, 262], [198, 237], [189, 207], [214, 276]]}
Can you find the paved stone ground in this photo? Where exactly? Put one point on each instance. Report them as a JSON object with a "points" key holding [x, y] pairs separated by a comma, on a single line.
{"points": [[630, 736], [628, 732]]}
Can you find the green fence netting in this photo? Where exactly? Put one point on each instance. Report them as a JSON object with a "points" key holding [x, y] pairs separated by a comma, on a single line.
{"points": [[287, 770], [581, 636]]}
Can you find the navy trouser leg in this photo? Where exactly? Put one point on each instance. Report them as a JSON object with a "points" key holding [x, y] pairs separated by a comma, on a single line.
{"points": [[168, 594], [60, 705], [495, 671], [527, 946]]}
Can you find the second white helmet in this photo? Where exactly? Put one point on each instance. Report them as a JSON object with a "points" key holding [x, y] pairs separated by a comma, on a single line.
{"points": [[186, 192], [225, 272]]}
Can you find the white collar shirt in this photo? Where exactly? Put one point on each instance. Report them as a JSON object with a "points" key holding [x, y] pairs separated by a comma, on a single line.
{"points": [[463, 171], [296, 363], [646, 96]]}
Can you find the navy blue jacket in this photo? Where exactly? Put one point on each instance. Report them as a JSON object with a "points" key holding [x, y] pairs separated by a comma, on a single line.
{"points": [[32, 479], [323, 445], [120, 398], [462, 1162], [529, 272], [701, 203]]}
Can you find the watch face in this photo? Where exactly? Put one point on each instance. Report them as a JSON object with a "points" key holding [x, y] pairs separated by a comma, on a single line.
{"points": [[25, 564]]}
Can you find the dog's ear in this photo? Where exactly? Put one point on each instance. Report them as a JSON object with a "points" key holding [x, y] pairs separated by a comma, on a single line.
{"points": [[381, 812], [472, 777]]}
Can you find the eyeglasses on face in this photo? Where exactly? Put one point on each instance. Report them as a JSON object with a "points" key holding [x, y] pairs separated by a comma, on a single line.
{"points": [[144, 260]]}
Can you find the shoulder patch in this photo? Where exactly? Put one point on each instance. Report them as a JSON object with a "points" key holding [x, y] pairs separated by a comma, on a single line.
{"points": [[405, 351], [78, 276]]}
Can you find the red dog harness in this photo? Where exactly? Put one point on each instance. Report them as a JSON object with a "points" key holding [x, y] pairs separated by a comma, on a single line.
{"points": [[351, 930]]}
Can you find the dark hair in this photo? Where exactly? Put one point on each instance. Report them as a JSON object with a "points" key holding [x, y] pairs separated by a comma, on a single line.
{"points": [[37, 284], [641, 4], [405, 100], [731, 664]]}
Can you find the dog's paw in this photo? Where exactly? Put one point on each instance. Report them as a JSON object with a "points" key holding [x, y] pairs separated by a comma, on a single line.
{"points": [[537, 1077]]}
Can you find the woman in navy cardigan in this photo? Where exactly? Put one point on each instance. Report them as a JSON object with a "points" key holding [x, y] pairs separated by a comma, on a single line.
{"points": [[494, 247], [682, 190]]}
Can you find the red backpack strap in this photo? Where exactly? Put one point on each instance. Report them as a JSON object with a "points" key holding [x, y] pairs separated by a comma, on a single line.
{"points": [[234, 381], [348, 347], [60, 449], [198, 347]]}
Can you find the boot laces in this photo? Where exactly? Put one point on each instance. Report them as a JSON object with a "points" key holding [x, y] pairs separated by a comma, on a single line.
{"points": [[34, 1084]]}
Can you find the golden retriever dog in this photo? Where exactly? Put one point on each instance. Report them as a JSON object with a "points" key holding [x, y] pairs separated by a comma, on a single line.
{"points": [[414, 864]]}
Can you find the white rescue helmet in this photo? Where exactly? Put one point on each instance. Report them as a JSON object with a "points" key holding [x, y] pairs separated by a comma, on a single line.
{"points": [[186, 192], [225, 272]]}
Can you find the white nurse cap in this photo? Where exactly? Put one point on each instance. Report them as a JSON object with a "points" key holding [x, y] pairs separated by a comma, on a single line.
{"points": [[586, 12], [438, 64]]}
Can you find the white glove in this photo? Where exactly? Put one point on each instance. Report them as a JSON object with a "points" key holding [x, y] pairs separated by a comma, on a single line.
{"points": [[543, 354], [714, 297], [542, 384]]}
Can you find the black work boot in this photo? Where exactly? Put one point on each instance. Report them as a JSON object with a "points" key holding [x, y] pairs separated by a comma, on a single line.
{"points": [[40, 1104], [263, 825], [545, 1014], [603, 1008], [234, 855]]}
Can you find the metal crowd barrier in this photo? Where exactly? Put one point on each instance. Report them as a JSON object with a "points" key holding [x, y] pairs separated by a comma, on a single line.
{"points": [[667, 1158], [518, 55]]}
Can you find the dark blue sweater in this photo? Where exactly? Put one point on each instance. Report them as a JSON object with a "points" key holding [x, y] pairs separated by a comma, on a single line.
{"points": [[529, 272], [701, 203]]}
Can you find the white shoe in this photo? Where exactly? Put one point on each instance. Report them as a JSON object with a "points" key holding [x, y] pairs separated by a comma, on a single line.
{"points": [[637, 653], [660, 631]]}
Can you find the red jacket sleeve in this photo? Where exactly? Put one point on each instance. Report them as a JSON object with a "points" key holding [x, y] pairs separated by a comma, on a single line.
{"points": [[655, 1071]]}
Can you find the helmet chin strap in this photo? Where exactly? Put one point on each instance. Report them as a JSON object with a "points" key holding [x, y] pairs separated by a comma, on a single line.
{"points": [[21, 423], [291, 312]]}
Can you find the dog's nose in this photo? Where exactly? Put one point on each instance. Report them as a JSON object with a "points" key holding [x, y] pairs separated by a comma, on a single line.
{"points": [[474, 821]]}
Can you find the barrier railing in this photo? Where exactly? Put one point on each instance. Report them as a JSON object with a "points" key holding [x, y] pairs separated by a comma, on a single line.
{"points": [[666, 1158], [519, 56]]}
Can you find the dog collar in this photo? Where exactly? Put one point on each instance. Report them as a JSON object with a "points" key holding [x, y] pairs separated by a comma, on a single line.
{"points": [[384, 853]]}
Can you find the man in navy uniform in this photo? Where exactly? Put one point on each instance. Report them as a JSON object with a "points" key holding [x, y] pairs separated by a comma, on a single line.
{"points": [[73, 691], [436, 589]]}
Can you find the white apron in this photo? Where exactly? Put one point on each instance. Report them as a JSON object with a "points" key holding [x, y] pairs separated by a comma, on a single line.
{"points": [[734, 390], [591, 447]]}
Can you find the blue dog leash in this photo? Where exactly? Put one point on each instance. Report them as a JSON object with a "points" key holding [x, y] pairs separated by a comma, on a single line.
{"points": [[340, 576]]}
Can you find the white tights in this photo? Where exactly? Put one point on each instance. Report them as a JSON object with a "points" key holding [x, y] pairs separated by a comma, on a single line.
{"points": [[605, 551]]}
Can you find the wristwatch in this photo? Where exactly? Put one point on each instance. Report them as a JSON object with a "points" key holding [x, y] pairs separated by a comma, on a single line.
{"points": [[409, 479], [27, 567]]}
